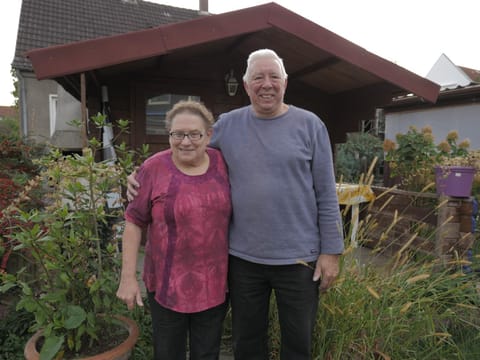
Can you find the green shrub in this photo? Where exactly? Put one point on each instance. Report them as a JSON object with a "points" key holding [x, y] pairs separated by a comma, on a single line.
{"points": [[9, 129], [14, 333], [71, 245], [354, 157]]}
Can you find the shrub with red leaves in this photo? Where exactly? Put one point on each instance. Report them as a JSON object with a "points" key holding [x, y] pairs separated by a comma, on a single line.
{"points": [[8, 191], [16, 168], [6, 226], [12, 161]]}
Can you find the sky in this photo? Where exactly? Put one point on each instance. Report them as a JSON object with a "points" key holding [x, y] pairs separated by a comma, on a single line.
{"points": [[410, 33]]}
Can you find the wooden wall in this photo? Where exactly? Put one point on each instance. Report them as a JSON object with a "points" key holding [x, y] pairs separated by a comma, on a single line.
{"points": [[342, 113]]}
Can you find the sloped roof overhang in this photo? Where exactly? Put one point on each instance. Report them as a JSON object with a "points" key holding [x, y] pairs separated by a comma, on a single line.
{"points": [[323, 60], [462, 95]]}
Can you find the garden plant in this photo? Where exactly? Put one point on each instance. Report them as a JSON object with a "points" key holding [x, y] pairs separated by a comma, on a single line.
{"points": [[71, 247], [406, 307], [403, 306], [354, 157], [414, 155]]}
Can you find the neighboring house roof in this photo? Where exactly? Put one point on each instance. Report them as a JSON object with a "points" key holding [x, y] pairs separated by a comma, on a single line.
{"points": [[313, 54], [8, 112], [457, 84], [472, 73], [450, 76], [45, 23]]}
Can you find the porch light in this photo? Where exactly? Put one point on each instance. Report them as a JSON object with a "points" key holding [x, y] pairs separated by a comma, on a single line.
{"points": [[231, 84]]}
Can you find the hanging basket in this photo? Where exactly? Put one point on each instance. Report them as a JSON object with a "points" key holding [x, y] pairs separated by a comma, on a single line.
{"points": [[454, 181]]}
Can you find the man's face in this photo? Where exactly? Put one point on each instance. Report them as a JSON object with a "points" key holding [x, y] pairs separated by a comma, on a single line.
{"points": [[266, 87]]}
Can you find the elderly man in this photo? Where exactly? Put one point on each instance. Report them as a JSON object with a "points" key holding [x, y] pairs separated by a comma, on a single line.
{"points": [[285, 213]]}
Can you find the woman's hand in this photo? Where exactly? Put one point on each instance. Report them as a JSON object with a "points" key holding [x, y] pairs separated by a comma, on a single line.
{"points": [[129, 292]]}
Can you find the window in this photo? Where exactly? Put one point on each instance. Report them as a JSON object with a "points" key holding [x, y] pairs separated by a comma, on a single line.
{"points": [[52, 103], [156, 110]]}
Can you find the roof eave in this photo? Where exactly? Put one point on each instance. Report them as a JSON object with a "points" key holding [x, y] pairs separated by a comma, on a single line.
{"points": [[113, 50], [57, 61], [356, 55], [447, 94]]}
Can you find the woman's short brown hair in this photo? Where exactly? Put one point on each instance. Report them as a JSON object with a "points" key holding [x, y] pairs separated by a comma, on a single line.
{"points": [[192, 107]]}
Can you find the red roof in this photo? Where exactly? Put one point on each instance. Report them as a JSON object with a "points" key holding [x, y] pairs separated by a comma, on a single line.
{"points": [[8, 111], [318, 56]]}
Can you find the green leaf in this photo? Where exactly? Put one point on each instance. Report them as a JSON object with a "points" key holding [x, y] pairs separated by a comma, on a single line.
{"points": [[5, 287], [75, 316], [28, 304], [51, 346]]}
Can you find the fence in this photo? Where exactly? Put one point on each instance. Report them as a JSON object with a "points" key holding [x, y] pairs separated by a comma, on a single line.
{"points": [[423, 222]]}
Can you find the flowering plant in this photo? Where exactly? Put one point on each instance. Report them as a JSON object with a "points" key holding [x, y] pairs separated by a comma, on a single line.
{"points": [[414, 156], [452, 154]]}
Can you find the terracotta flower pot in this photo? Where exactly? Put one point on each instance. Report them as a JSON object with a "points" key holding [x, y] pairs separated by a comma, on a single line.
{"points": [[120, 352]]}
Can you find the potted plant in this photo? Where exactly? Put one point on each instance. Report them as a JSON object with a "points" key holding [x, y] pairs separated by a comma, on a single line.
{"points": [[421, 164], [72, 244]]}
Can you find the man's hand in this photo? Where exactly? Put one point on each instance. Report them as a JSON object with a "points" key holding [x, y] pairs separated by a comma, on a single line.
{"points": [[326, 271], [132, 186]]}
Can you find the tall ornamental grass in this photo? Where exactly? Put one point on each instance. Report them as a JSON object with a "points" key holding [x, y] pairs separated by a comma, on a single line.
{"points": [[405, 307], [410, 311]]}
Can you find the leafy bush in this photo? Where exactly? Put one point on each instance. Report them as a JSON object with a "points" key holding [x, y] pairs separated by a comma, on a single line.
{"points": [[16, 171], [76, 262], [353, 157], [9, 129], [14, 333]]}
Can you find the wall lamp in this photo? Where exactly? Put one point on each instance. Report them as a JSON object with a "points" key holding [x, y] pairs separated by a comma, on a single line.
{"points": [[231, 84]]}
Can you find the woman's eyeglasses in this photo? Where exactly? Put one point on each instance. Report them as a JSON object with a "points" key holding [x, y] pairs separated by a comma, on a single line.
{"points": [[179, 136]]}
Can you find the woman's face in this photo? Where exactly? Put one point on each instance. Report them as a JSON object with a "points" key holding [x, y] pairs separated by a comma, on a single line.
{"points": [[187, 151]]}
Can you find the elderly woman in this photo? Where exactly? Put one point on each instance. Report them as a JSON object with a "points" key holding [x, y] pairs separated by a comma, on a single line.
{"points": [[184, 203]]}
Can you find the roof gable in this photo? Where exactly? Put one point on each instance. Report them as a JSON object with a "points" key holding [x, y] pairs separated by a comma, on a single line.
{"points": [[445, 73], [45, 23], [312, 53]]}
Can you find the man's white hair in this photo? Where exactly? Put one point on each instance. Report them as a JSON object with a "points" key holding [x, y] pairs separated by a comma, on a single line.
{"points": [[264, 54]]}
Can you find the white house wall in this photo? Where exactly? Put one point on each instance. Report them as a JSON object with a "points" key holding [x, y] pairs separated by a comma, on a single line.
{"points": [[36, 113], [463, 118], [64, 135]]}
